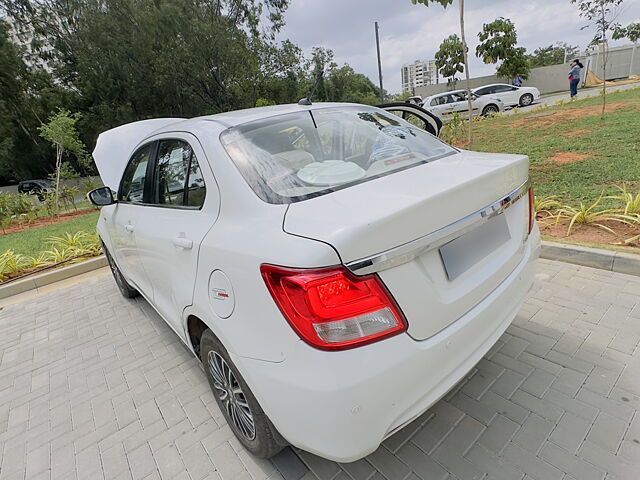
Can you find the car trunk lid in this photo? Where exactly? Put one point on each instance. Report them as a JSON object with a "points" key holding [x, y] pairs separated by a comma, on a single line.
{"points": [[438, 234]]}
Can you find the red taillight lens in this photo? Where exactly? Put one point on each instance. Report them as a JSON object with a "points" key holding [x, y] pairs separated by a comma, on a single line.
{"points": [[331, 308], [532, 213]]}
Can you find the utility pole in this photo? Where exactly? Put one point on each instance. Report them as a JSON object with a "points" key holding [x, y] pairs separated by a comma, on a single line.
{"points": [[379, 64]]}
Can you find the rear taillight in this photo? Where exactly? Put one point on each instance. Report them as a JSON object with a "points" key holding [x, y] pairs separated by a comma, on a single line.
{"points": [[331, 308], [532, 213]]}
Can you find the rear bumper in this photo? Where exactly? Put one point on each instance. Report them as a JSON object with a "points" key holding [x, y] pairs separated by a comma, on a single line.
{"points": [[341, 405]]}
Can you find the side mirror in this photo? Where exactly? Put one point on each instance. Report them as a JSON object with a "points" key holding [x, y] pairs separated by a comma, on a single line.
{"points": [[101, 197]]}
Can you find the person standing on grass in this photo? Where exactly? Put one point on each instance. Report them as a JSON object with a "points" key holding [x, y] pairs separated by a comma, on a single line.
{"points": [[574, 76]]}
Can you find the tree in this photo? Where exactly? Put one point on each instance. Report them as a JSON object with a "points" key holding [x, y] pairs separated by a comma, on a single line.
{"points": [[632, 32], [27, 94], [62, 133], [601, 14], [450, 58], [552, 54], [498, 44], [135, 59], [465, 52]]}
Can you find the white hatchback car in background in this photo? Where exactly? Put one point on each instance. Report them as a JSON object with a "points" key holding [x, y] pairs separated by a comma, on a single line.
{"points": [[336, 269], [510, 95], [446, 105]]}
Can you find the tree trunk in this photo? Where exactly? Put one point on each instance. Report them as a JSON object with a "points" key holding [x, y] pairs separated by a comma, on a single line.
{"points": [[633, 54], [466, 69], [604, 76], [605, 52], [58, 164]]}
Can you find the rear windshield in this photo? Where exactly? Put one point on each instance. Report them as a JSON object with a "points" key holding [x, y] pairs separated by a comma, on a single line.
{"points": [[293, 157]]}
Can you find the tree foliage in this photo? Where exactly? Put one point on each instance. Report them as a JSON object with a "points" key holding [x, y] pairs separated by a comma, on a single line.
{"points": [[118, 61], [631, 31], [26, 97], [553, 54], [444, 3], [450, 58], [601, 14], [499, 41], [61, 131]]}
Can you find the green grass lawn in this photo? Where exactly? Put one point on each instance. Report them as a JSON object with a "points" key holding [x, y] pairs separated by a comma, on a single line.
{"points": [[609, 147], [34, 240]]}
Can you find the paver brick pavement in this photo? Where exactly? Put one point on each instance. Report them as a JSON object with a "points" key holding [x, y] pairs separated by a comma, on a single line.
{"points": [[96, 386]]}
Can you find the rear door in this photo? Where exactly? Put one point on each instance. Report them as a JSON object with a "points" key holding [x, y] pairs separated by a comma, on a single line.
{"points": [[440, 106], [132, 194], [461, 106], [183, 207], [415, 115], [507, 93]]}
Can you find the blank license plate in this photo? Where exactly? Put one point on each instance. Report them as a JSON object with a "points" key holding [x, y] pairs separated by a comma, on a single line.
{"points": [[465, 251]]}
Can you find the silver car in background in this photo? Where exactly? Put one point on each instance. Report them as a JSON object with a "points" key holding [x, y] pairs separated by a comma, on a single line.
{"points": [[446, 105]]}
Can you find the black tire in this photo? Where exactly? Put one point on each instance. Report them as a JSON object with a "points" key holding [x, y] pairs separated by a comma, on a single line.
{"points": [[126, 290], [242, 406], [490, 109], [526, 100]]}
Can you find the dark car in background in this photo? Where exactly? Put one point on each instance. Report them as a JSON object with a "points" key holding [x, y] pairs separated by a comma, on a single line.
{"points": [[35, 187]]}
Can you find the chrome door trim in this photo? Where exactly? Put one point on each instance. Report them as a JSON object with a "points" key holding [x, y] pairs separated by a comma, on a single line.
{"points": [[407, 252]]}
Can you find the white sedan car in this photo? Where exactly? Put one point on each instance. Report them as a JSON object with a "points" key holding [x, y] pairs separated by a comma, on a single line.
{"points": [[510, 95], [446, 105], [335, 268]]}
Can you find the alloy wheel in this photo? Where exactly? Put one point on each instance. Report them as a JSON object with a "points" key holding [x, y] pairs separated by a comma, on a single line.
{"points": [[526, 100], [231, 395]]}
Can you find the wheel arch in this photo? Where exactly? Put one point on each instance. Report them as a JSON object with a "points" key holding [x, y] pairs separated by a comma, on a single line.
{"points": [[195, 327], [488, 105]]}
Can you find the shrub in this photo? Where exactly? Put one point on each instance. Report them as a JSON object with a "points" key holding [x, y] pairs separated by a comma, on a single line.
{"points": [[12, 263], [591, 215]]}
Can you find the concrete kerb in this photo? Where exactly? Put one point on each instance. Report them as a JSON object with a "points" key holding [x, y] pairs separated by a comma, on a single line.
{"points": [[612, 261], [47, 278]]}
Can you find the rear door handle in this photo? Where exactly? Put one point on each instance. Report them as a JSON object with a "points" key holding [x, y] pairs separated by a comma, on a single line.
{"points": [[182, 242], [129, 228]]}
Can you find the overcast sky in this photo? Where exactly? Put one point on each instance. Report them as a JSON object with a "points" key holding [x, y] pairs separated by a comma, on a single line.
{"points": [[409, 32]]}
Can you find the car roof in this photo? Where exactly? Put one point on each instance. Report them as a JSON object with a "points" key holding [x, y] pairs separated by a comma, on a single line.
{"points": [[493, 85], [239, 117], [114, 147]]}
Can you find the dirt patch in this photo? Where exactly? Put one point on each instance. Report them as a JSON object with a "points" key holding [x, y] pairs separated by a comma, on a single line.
{"points": [[567, 157], [576, 133], [591, 233], [42, 221], [565, 115]]}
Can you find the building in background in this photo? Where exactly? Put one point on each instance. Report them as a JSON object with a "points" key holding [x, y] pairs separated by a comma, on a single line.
{"points": [[419, 74]]}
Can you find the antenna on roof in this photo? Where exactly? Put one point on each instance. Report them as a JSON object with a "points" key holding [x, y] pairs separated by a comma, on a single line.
{"points": [[313, 90]]}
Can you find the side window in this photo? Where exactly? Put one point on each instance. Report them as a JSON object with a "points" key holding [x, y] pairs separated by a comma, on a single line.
{"points": [[133, 180], [178, 180], [483, 91], [503, 89], [196, 191], [171, 172]]}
